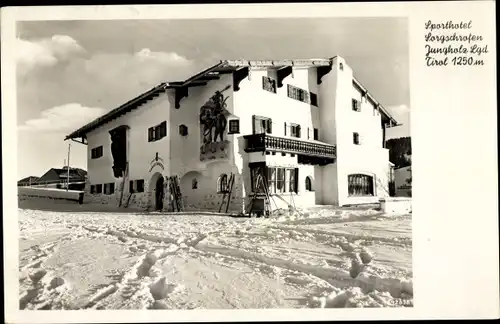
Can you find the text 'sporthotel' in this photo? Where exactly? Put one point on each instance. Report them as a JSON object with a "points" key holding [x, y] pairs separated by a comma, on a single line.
{"points": [[306, 131]]}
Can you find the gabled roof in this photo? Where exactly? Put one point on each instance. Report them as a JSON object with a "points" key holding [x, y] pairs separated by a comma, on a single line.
{"points": [[29, 179], [73, 172], [212, 73], [377, 105]]}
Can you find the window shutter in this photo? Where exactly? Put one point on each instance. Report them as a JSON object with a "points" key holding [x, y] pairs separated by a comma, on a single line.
{"points": [[269, 126], [163, 129], [285, 128], [296, 184], [157, 134], [298, 131], [253, 124], [314, 99], [151, 134]]}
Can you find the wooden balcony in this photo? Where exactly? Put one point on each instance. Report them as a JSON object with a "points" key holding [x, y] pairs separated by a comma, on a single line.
{"points": [[307, 151]]}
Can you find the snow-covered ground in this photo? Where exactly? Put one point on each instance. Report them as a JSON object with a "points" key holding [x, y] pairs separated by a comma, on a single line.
{"points": [[76, 258]]}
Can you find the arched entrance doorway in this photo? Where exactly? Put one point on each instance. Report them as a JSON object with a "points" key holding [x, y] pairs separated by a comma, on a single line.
{"points": [[157, 192]]}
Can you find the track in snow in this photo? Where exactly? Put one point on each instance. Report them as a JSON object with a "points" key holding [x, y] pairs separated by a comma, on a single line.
{"points": [[351, 260]]}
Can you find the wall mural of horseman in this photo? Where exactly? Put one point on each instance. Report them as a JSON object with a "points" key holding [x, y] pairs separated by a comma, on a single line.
{"points": [[213, 123]]}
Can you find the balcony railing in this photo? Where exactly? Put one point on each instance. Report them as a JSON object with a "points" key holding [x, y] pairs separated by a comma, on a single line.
{"points": [[266, 142]]}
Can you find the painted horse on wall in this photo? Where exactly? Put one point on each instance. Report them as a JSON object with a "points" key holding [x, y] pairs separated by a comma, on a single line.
{"points": [[212, 117]]}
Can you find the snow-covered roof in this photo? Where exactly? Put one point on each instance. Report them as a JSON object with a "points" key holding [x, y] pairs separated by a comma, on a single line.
{"points": [[213, 73]]}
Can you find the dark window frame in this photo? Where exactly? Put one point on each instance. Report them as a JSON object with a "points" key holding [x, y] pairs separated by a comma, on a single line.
{"points": [[282, 180], [151, 134], [279, 180], [96, 152], [109, 188], [360, 185], [356, 105], [234, 126], [314, 99], [264, 122], [157, 132], [302, 95], [355, 139], [293, 130], [98, 188], [309, 183], [139, 185], [268, 84], [183, 130], [222, 184]]}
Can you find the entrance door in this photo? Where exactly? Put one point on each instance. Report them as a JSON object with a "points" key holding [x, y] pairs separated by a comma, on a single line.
{"points": [[159, 193]]}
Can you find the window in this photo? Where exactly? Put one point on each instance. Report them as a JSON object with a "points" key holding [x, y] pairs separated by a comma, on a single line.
{"points": [[314, 99], [194, 184], [222, 186], [269, 84], [302, 95], [308, 184], [234, 126], [257, 169], [157, 132], [291, 180], [136, 186], [183, 130], [292, 130], [109, 188], [316, 134], [262, 125], [98, 189], [162, 131], [355, 138], [140, 185], [360, 185], [151, 134], [96, 152], [92, 189], [356, 105], [281, 180], [341, 66]]}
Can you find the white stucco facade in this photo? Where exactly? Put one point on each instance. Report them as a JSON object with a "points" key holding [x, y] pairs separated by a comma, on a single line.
{"points": [[198, 170]]}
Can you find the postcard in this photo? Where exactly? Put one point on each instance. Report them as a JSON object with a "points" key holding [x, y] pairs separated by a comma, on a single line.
{"points": [[250, 162]]}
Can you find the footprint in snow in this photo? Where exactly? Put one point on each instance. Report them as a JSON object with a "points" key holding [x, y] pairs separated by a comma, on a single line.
{"points": [[365, 257], [357, 267]]}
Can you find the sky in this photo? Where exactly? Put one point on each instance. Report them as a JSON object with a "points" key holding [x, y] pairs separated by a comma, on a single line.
{"points": [[71, 72]]}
